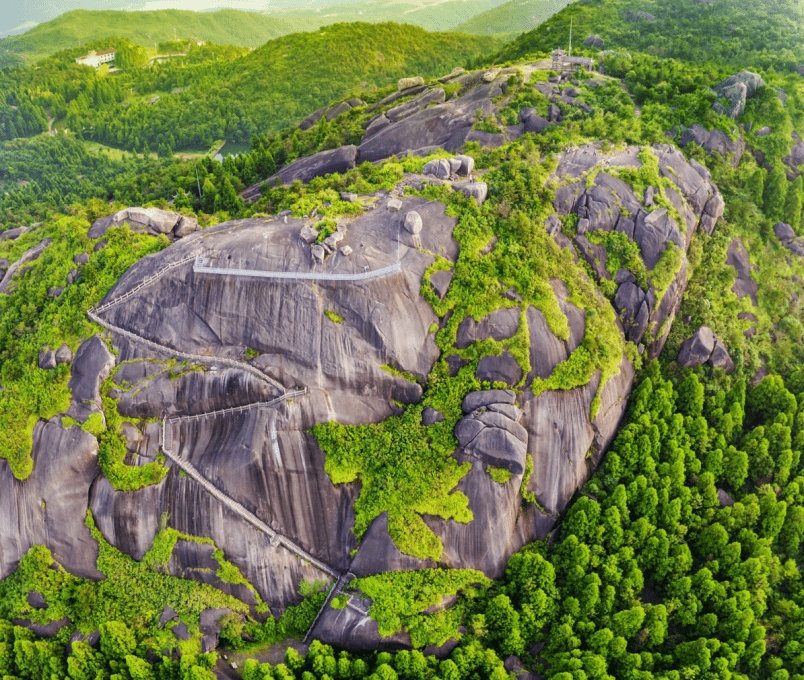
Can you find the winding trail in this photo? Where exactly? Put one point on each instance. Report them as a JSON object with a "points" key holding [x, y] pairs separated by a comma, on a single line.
{"points": [[168, 422]]}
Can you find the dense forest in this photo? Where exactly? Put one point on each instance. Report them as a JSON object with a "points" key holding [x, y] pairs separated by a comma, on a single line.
{"points": [[679, 558], [213, 93]]}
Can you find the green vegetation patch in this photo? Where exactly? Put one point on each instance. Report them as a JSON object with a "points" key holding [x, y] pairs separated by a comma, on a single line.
{"points": [[332, 316], [400, 599], [406, 469], [32, 320], [499, 475]]}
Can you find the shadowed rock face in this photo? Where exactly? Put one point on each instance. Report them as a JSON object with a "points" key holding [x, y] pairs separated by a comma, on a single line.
{"points": [[50, 506]]}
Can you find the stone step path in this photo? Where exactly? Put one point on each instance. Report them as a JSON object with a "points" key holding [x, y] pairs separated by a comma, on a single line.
{"points": [[227, 411], [248, 516], [185, 356], [336, 590], [200, 268]]}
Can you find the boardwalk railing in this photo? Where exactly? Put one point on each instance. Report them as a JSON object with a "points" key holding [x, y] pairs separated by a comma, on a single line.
{"points": [[248, 516], [200, 268], [186, 356], [144, 284], [235, 409]]}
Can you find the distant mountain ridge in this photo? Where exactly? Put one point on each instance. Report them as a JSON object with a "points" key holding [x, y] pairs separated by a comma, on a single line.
{"points": [[228, 26]]}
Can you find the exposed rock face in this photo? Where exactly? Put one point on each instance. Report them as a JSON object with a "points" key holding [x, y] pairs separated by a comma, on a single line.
{"points": [[50, 506], [714, 142], [340, 160], [704, 347], [784, 232], [149, 220], [610, 204], [47, 358], [594, 41], [737, 89], [744, 285]]}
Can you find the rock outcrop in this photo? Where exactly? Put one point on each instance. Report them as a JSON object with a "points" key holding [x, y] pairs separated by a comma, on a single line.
{"points": [[148, 220], [703, 347], [49, 507], [607, 203], [715, 142], [784, 232], [736, 90]]}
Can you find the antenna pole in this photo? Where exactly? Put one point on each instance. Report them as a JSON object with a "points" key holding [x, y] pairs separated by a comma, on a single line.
{"points": [[198, 182], [570, 42]]}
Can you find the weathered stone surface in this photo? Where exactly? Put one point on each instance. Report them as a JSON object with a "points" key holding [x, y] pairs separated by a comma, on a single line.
{"points": [[744, 285], [340, 160], [594, 41], [64, 355], [652, 232], [394, 205], [47, 358], [36, 600], [467, 164], [737, 89], [720, 357], [149, 220], [92, 639], [439, 167], [499, 325], [435, 95], [476, 400], [477, 190], [168, 614], [308, 234], [724, 499], [502, 368], [696, 350], [440, 281], [49, 507], [413, 222], [185, 227], [784, 232], [715, 142], [430, 416], [47, 631], [180, 631], [82, 258], [92, 365]]}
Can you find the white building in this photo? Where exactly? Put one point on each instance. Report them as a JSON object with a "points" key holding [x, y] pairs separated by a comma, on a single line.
{"points": [[95, 59]]}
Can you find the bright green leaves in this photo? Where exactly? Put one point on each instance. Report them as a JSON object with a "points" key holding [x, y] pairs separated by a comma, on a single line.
{"points": [[401, 598], [406, 469]]}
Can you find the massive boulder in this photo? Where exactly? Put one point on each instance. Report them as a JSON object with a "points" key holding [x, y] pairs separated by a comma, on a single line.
{"points": [[49, 507], [340, 160], [152, 221]]}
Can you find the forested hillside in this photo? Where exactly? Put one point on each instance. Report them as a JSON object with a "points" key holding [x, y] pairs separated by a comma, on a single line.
{"points": [[237, 27], [214, 94], [512, 18], [741, 33]]}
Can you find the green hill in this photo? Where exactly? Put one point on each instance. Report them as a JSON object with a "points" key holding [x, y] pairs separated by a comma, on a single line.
{"points": [[228, 26], [513, 17], [739, 33], [190, 103], [433, 15]]}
